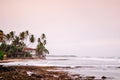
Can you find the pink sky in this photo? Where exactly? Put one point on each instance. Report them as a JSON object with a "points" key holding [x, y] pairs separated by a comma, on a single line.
{"points": [[90, 27]]}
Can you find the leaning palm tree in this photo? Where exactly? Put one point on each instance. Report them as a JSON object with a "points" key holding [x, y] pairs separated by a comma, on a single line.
{"points": [[23, 36], [43, 39], [8, 38], [41, 50], [27, 33], [43, 36]]}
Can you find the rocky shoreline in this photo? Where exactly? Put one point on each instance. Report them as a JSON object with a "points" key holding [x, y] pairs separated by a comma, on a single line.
{"points": [[38, 73], [32, 73]]}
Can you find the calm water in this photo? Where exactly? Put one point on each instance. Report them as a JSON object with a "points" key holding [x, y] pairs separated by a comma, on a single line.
{"points": [[92, 66]]}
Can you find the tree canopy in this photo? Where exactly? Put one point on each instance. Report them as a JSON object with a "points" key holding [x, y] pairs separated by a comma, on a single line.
{"points": [[14, 44]]}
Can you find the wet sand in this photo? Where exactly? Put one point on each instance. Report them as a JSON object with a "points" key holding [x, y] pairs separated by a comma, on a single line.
{"points": [[17, 59]]}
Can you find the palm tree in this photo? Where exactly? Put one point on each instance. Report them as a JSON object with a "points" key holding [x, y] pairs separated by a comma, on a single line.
{"points": [[22, 36], [44, 42], [16, 41], [3, 46], [43, 39], [43, 36], [32, 39], [39, 40], [41, 49], [12, 35], [8, 37], [27, 33]]}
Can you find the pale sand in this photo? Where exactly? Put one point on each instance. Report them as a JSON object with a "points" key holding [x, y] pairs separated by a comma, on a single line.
{"points": [[12, 60]]}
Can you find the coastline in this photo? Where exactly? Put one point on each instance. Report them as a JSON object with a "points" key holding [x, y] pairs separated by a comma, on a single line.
{"points": [[17, 59], [54, 71], [39, 73]]}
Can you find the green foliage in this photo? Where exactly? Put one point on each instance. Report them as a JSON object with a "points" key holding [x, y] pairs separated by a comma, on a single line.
{"points": [[32, 39], [27, 54], [14, 45], [1, 55], [41, 49]]}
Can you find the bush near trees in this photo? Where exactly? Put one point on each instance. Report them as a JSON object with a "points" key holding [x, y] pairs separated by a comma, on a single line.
{"points": [[1, 55]]}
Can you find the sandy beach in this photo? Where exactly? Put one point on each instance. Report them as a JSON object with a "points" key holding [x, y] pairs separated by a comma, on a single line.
{"points": [[10, 60]]}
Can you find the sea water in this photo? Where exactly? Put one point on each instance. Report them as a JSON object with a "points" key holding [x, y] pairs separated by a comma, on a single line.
{"points": [[86, 66]]}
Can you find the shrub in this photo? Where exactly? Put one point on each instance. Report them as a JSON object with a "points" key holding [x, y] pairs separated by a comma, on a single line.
{"points": [[1, 55]]}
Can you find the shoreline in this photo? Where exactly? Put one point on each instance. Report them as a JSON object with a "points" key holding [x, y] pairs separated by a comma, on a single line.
{"points": [[54, 71], [17, 59], [40, 73]]}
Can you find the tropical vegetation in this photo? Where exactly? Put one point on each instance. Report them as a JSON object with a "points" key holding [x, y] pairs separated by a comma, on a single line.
{"points": [[13, 45], [1, 55], [41, 49]]}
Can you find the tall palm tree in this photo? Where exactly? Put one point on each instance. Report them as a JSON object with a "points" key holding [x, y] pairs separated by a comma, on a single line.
{"points": [[22, 36], [41, 49], [39, 40], [43, 36], [43, 39], [16, 41], [7, 37], [27, 33], [44, 42], [32, 39], [12, 35]]}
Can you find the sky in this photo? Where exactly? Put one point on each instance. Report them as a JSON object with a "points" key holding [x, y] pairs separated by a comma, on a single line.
{"points": [[72, 27]]}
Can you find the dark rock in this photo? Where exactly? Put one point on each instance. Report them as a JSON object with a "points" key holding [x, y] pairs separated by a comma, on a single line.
{"points": [[37, 76], [90, 77], [103, 77], [118, 67], [5, 69]]}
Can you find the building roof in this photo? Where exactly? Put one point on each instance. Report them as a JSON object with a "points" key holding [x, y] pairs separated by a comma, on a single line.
{"points": [[29, 49]]}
